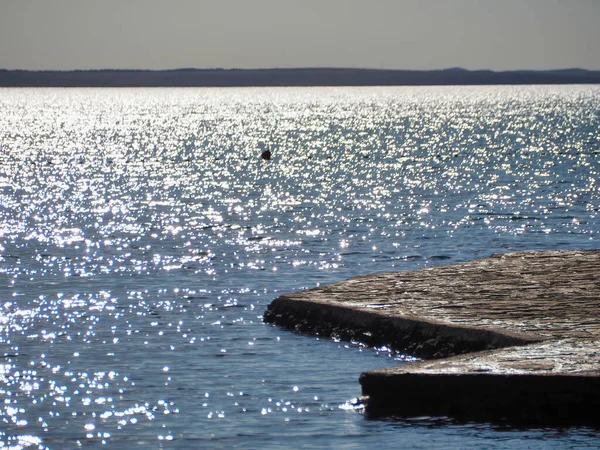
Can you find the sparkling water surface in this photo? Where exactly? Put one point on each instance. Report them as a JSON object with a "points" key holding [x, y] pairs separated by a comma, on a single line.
{"points": [[142, 238]]}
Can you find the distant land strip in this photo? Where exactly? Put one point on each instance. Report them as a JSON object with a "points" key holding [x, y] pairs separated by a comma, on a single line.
{"points": [[289, 77]]}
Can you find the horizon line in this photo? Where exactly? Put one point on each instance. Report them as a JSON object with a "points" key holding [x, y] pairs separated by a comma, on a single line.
{"points": [[371, 69]]}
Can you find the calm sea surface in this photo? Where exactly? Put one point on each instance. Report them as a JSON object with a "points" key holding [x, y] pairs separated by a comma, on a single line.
{"points": [[142, 237]]}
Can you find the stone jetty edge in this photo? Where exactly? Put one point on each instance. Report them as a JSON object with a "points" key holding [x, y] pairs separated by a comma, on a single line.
{"points": [[470, 372], [420, 337]]}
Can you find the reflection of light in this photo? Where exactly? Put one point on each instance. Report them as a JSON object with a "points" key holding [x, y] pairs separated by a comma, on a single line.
{"points": [[297, 214], [352, 405]]}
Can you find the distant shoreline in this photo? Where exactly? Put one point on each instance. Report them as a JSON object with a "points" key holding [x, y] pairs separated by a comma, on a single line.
{"points": [[290, 77]]}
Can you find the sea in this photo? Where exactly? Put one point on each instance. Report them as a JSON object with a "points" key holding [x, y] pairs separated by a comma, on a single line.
{"points": [[142, 237]]}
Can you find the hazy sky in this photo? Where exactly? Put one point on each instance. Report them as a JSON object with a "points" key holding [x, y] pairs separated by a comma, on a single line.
{"points": [[397, 34]]}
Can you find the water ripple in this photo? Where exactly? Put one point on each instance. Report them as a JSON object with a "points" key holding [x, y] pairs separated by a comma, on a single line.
{"points": [[142, 236]]}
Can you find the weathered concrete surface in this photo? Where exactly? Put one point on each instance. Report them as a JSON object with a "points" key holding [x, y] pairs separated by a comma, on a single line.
{"points": [[539, 310]]}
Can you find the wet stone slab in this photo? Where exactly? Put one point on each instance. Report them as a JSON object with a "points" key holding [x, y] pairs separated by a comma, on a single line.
{"points": [[512, 336]]}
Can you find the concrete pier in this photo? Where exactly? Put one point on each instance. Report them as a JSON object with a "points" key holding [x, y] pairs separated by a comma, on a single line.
{"points": [[513, 337]]}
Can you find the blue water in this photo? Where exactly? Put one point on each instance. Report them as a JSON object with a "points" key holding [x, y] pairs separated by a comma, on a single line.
{"points": [[142, 238]]}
